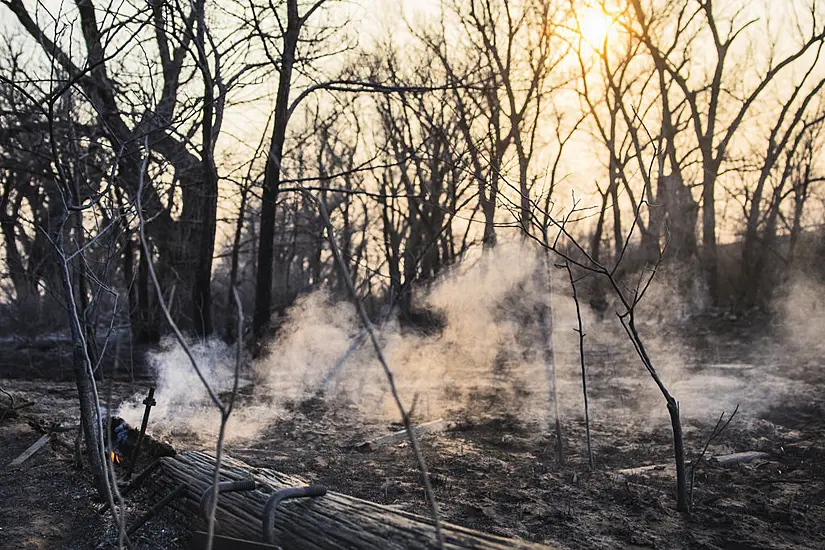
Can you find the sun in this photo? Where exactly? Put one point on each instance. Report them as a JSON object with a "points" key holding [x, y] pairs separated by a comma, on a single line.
{"points": [[595, 26]]}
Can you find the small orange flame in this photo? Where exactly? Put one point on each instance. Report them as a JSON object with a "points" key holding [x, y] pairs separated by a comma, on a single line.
{"points": [[114, 457]]}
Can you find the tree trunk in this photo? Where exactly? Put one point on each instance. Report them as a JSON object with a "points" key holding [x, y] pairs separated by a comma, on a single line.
{"points": [[392, 240], [618, 236], [655, 221], [190, 270], [272, 175], [765, 270], [682, 504], [682, 212], [750, 247], [233, 269], [83, 310], [596, 237], [710, 255], [208, 196], [14, 260], [144, 328], [89, 414], [800, 197], [204, 253], [526, 208]]}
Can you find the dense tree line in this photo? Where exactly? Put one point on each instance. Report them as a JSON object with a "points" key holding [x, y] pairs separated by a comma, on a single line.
{"points": [[448, 133]]}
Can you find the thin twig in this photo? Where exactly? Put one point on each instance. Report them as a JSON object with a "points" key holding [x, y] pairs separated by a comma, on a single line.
{"points": [[224, 409], [422, 466], [716, 432], [213, 502]]}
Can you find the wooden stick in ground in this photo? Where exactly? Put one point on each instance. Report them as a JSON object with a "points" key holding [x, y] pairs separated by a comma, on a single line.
{"points": [[548, 328], [405, 417], [580, 331]]}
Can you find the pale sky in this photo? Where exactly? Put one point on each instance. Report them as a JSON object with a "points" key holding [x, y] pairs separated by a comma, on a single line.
{"points": [[374, 19]]}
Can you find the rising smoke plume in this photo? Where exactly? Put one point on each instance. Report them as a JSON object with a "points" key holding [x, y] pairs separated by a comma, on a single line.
{"points": [[488, 360]]}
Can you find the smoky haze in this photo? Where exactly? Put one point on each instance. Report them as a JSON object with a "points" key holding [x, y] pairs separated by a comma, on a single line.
{"points": [[489, 358]]}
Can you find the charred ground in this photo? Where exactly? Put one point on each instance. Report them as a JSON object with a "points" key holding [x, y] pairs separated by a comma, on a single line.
{"points": [[494, 471]]}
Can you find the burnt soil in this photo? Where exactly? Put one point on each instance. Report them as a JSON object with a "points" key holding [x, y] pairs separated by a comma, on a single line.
{"points": [[492, 470]]}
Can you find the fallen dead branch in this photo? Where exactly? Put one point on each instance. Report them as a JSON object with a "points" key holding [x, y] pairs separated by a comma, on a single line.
{"points": [[10, 410], [739, 458], [28, 453], [720, 460], [390, 439], [331, 521]]}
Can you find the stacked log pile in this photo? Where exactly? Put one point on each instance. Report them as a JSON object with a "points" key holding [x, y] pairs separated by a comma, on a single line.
{"points": [[332, 521]]}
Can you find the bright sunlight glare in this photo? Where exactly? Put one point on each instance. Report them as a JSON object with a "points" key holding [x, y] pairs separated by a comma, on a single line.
{"points": [[594, 26]]}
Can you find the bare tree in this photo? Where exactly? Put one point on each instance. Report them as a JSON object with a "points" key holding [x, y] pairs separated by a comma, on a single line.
{"points": [[128, 107], [516, 52], [425, 188], [628, 299], [789, 146], [716, 107], [618, 91], [290, 37]]}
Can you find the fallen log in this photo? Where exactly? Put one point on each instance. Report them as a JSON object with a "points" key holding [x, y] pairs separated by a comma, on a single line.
{"points": [[401, 435], [332, 521]]}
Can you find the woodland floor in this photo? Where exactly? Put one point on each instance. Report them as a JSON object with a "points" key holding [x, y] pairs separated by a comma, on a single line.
{"points": [[494, 472]]}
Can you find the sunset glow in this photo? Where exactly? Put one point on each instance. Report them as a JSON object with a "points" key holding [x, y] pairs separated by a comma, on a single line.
{"points": [[595, 26], [488, 273]]}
